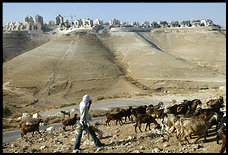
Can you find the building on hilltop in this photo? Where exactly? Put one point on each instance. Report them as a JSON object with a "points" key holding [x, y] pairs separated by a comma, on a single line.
{"points": [[185, 23], [146, 24], [59, 20], [154, 25], [174, 24], [135, 24], [28, 19], [38, 19], [163, 24], [77, 23], [114, 22], [98, 22], [87, 23], [206, 22], [196, 23]]}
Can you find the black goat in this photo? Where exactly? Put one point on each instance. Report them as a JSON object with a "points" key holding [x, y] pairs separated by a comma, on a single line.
{"points": [[127, 113], [139, 110]]}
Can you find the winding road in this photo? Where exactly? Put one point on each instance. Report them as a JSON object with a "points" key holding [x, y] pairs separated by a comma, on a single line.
{"points": [[9, 136]]}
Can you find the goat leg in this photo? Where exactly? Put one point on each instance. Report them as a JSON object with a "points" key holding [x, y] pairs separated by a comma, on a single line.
{"points": [[218, 137], [223, 147], [205, 139], [216, 128], [136, 127], [199, 138], [38, 132], [149, 127], [120, 121], [171, 133], [129, 118], [186, 139], [181, 134], [207, 133], [140, 127], [146, 126]]}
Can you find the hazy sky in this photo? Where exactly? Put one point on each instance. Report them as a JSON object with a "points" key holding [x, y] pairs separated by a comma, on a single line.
{"points": [[15, 12]]}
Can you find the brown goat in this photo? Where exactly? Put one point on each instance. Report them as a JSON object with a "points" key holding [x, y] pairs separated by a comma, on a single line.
{"points": [[69, 122], [30, 128], [176, 123], [195, 126], [118, 117], [153, 109], [214, 101], [145, 118], [222, 133]]}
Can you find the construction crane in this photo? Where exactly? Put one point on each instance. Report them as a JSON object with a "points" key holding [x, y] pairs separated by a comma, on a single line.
{"points": [[71, 17]]}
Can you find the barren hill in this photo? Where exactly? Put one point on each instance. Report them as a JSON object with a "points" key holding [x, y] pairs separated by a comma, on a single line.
{"points": [[119, 64], [203, 46], [62, 71], [16, 43], [156, 68]]}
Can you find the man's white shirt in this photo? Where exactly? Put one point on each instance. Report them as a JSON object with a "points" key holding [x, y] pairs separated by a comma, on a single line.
{"points": [[84, 112]]}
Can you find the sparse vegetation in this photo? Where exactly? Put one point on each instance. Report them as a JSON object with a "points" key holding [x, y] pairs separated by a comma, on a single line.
{"points": [[6, 112]]}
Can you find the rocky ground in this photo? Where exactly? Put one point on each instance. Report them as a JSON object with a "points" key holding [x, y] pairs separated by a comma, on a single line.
{"points": [[118, 139]]}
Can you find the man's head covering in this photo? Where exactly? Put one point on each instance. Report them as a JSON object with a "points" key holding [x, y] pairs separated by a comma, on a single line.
{"points": [[86, 98]]}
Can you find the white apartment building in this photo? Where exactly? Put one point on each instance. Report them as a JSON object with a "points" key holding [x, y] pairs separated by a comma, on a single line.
{"points": [[28, 19], [77, 23], [206, 22], [163, 24], [196, 23], [185, 23], [174, 24], [135, 23], [114, 22], [38, 19], [87, 23], [154, 24], [146, 24], [59, 20], [98, 22]]}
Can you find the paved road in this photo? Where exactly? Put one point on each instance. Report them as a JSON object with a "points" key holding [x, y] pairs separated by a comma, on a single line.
{"points": [[104, 104], [9, 136]]}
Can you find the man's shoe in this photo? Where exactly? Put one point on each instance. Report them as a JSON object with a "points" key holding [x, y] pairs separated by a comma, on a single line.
{"points": [[76, 151]]}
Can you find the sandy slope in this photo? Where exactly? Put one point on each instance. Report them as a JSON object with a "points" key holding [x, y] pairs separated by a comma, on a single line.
{"points": [[147, 64], [65, 69], [202, 46]]}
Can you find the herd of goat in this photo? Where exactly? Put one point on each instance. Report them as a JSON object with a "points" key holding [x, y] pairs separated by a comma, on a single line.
{"points": [[185, 119]]}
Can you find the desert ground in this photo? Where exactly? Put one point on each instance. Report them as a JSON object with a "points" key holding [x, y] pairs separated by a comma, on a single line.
{"points": [[117, 139]]}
